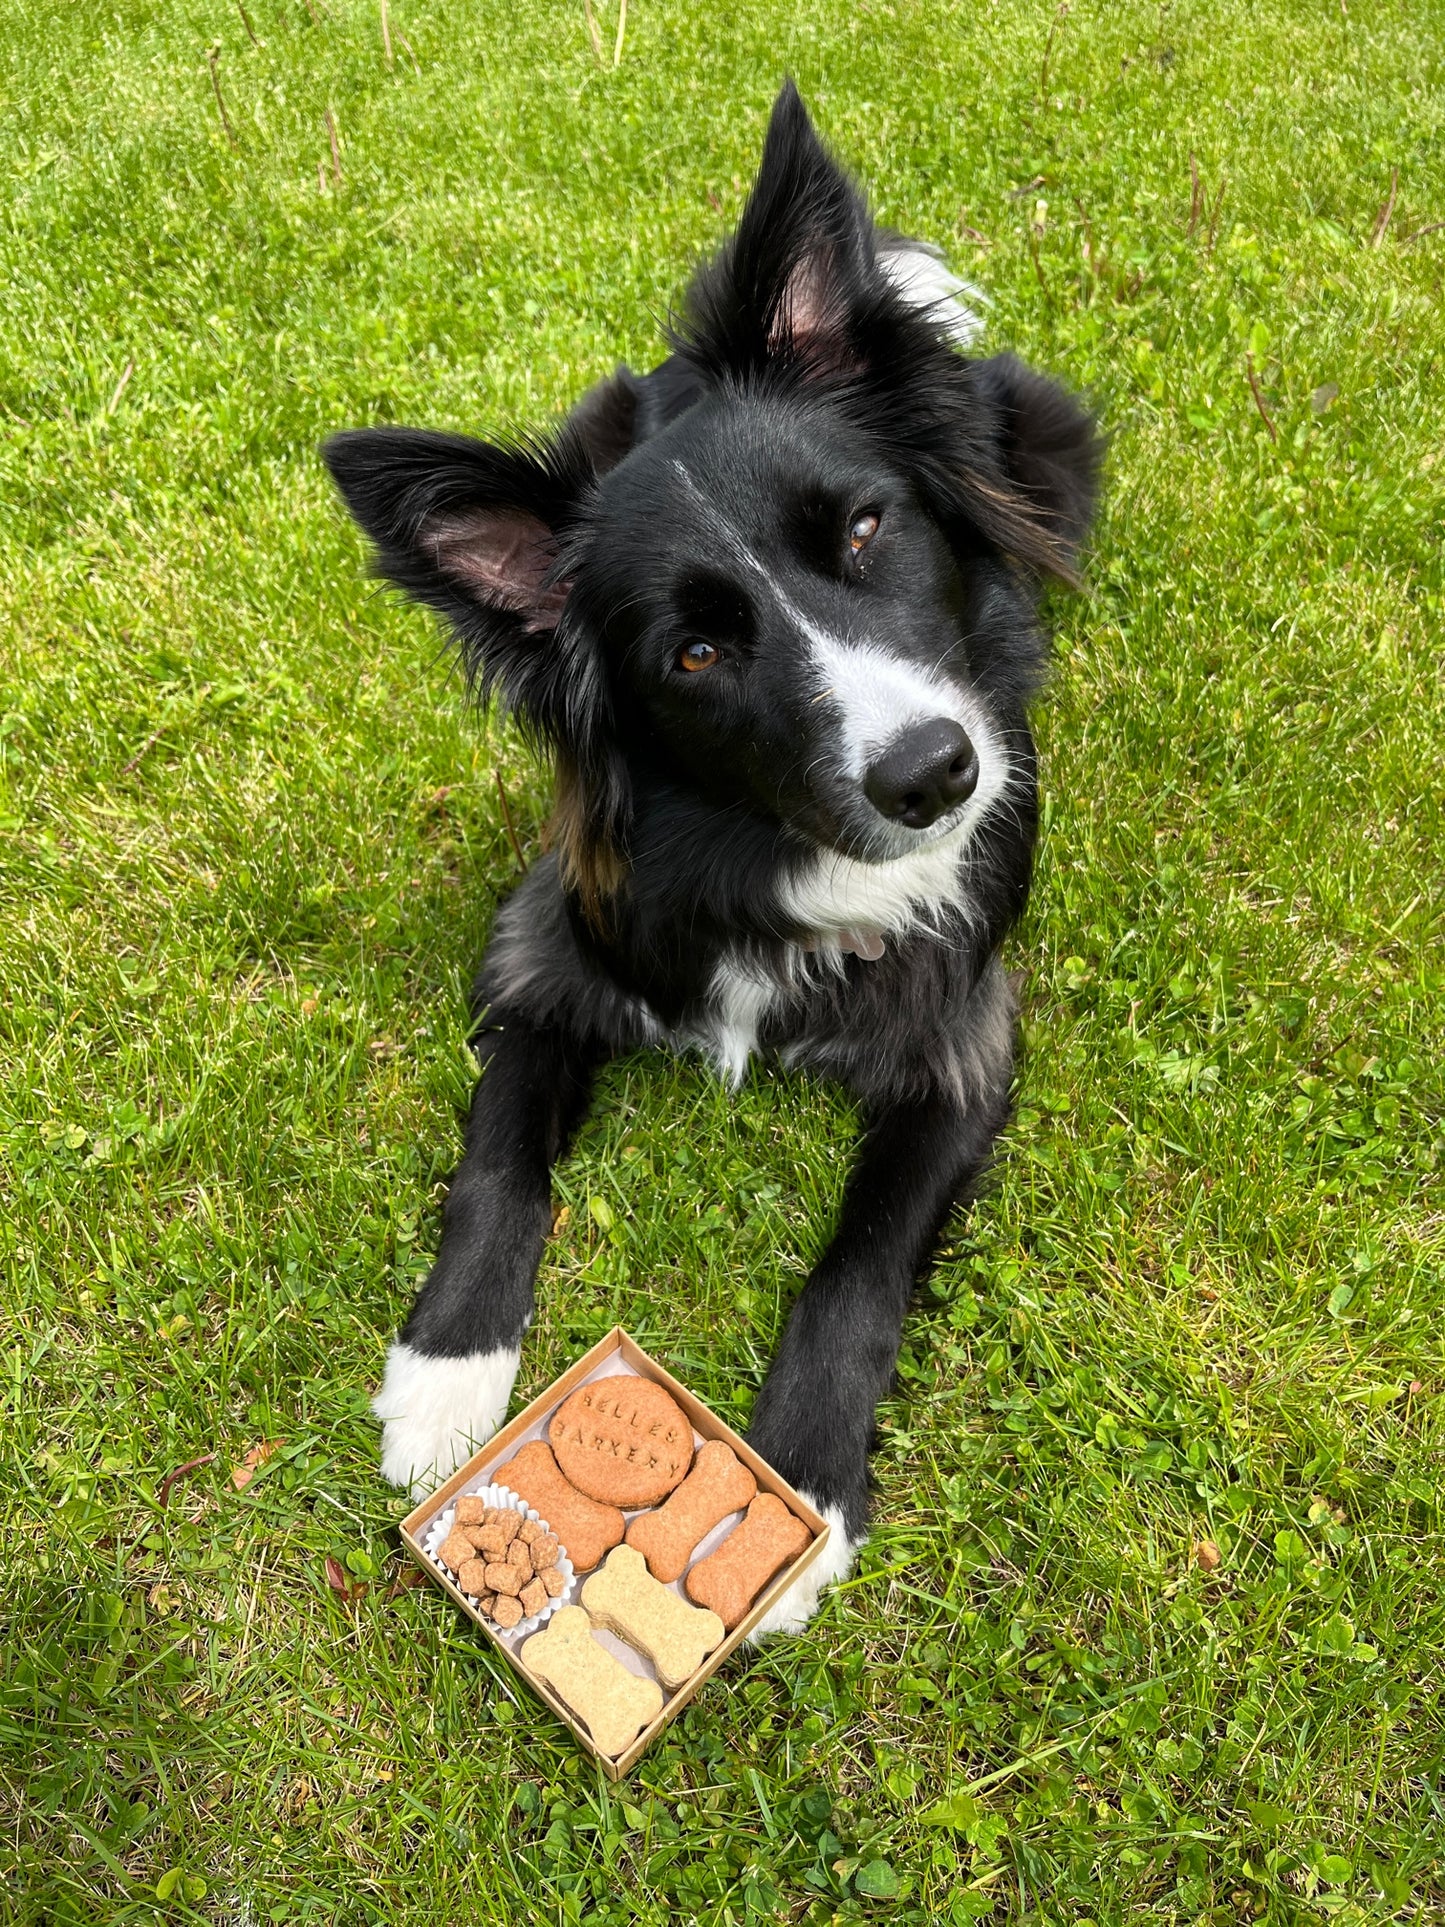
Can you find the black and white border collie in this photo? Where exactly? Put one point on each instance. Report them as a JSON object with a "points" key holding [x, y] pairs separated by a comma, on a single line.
{"points": [[773, 611]]}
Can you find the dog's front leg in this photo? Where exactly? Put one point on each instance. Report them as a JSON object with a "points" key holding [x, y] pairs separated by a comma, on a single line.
{"points": [[814, 1415], [449, 1374]]}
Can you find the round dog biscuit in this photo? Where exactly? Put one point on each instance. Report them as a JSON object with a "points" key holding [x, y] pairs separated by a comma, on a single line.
{"points": [[623, 1440]]}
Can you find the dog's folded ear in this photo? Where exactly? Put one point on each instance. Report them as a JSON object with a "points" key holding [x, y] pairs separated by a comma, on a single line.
{"points": [[480, 533], [476, 531], [1051, 452], [788, 288]]}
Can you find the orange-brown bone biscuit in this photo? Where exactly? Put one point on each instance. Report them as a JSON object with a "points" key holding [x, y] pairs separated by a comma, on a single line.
{"points": [[544, 1552], [613, 1703], [471, 1509], [508, 1612], [587, 1530], [555, 1580], [456, 1550], [626, 1599], [533, 1597], [472, 1576], [504, 1579], [623, 1440], [719, 1483], [730, 1579]]}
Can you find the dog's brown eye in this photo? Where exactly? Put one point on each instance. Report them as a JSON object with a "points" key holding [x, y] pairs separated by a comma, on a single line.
{"points": [[697, 655], [862, 533]]}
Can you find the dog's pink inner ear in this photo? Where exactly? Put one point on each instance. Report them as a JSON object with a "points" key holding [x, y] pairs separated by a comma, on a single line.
{"points": [[811, 316], [503, 557]]}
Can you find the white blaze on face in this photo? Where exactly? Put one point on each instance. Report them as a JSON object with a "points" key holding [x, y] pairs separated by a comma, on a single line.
{"points": [[877, 696]]}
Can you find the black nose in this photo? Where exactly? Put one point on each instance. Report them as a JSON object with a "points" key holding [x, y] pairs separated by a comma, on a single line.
{"points": [[922, 773]]}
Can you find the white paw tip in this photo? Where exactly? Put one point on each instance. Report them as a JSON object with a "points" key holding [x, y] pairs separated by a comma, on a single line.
{"points": [[791, 1612], [435, 1412]]}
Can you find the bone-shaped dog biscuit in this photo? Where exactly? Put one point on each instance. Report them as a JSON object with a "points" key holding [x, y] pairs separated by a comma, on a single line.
{"points": [[626, 1599], [587, 1530], [719, 1483], [612, 1703], [730, 1579]]}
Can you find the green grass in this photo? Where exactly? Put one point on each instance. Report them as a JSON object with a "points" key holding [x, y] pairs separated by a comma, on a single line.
{"points": [[252, 843]]}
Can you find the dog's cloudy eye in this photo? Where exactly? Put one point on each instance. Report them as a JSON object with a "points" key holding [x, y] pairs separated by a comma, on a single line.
{"points": [[697, 655], [862, 533]]}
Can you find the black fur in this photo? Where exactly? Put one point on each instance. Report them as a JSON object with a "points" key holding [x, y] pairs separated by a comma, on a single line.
{"points": [[814, 481]]}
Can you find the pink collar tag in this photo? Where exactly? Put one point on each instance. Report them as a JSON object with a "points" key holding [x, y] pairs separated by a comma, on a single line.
{"points": [[867, 944]]}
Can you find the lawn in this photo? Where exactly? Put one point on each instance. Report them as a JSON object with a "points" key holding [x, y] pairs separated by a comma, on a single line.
{"points": [[1152, 1619]]}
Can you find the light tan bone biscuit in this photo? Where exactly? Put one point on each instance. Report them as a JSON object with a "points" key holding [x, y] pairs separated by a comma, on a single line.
{"points": [[623, 1440], [587, 1530], [471, 1509], [626, 1599], [507, 1612], [456, 1550], [719, 1483], [730, 1579], [612, 1703]]}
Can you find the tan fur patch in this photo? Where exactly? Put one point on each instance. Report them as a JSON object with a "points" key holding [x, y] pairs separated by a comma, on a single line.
{"points": [[591, 865]]}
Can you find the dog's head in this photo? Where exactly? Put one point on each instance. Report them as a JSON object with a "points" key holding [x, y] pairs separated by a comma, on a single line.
{"points": [[804, 585]]}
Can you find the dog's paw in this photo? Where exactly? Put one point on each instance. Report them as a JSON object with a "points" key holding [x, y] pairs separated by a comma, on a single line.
{"points": [[435, 1412], [791, 1612]]}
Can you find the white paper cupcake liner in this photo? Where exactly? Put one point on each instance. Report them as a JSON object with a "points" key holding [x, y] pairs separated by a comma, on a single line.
{"points": [[501, 1495]]}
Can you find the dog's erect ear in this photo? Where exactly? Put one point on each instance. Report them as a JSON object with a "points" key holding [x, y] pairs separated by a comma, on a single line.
{"points": [[1052, 453], [788, 286], [480, 533]]}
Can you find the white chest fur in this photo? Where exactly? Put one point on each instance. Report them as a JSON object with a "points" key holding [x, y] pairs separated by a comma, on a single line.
{"points": [[844, 901]]}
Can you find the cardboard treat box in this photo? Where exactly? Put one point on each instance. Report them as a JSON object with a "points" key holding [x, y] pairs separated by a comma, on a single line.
{"points": [[615, 1353]]}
